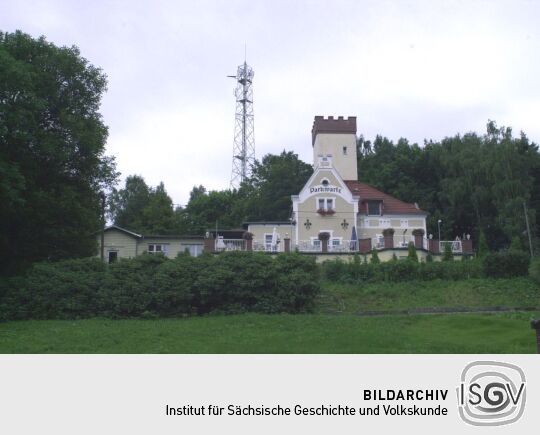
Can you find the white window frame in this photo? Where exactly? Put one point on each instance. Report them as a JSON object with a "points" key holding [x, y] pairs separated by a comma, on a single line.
{"points": [[338, 239], [325, 200], [164, 248]]}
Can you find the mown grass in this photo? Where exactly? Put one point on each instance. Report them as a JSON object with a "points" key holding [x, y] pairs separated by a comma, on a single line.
{"points": [[332, 329], [252, 333], [515, 293]]}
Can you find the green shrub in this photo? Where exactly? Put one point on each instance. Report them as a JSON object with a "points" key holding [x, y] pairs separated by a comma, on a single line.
{"points": [[412, 255], [374, 257], [150, 286], [515, 244], [61, 290], [396, 271], [447, 253], [333, 270], [506, 264], [534, 270], [483, 248], [129, 287], [451, 270]]}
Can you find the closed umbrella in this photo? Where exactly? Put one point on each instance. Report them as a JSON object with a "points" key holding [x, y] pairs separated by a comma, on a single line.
{"points": [[274, 239], [354, 239]]}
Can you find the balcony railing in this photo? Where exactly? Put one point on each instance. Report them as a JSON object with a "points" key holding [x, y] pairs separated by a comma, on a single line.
{"points": [[455, 246], [260, 246], [309, 246], [230, 245]]}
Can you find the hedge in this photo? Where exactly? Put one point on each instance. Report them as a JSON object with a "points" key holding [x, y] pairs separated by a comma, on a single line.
{"points": [[506, 264], [152, 286], [360, 272]]}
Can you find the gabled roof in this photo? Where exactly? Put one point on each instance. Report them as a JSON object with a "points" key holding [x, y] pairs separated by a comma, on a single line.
{"points": [[153, 236], [116, 227], [391, 205]]}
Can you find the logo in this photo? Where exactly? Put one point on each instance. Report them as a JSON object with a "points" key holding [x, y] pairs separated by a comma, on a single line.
{"points": [[491, 393]]}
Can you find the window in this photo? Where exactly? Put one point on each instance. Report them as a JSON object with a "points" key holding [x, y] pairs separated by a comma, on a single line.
{"points": [[156, 249], [194, 250], [344, 151], [113, 256], [329, 203], [336, 242], [384, 223], [374, 208], [325, 182], [325, 203]]}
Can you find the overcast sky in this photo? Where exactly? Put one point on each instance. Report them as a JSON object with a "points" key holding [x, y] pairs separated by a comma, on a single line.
{"points": [[413, 69]]}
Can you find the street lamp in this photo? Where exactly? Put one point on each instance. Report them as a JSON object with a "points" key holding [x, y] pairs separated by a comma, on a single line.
{"points": [[439, 226]]}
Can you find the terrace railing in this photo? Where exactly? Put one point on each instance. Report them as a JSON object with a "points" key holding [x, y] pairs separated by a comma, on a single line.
{"points": [[309, 246], [343, 246], [230, 245], [455, 246], [260, 246]]}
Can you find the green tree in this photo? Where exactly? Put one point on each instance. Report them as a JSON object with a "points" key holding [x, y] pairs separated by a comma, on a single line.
{"points": [[52, 145], [267, 194], [126, 205], [158, 215], [411, 254], [483, 248], [375, 257], [447, 253]]}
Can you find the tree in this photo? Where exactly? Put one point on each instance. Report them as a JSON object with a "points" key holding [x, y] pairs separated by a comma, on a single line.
{"points": [[483, 248], [447, 253], [411, 252], [52, 145], [267, 194], [158, 215], [126, 205], [205, 209], [143, 209]]}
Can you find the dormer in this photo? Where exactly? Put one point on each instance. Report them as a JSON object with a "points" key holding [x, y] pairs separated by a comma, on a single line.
{"points": [[336, 137]]}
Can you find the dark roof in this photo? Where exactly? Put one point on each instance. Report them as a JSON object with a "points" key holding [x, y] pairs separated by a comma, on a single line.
{"points": [[245, 224], [391, 205], [131, 233], [116, 227], [172, 236], [331, 125]]}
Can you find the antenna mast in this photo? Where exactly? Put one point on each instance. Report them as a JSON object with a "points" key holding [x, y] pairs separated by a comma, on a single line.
{"points": [[244, 137]]}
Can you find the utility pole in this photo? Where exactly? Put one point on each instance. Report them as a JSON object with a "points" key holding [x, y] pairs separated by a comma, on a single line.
{"points": [[528, 228]]}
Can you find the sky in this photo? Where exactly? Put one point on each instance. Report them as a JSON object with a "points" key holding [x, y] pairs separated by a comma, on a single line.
{"points": [[413, 69]]}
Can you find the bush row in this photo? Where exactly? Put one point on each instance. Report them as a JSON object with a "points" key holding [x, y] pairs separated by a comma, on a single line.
{"points": [[496, 265], [152, 285]]}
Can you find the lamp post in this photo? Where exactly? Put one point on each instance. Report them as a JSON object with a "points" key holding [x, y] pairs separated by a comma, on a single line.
{"points": [[102, 197], [439, 226]]}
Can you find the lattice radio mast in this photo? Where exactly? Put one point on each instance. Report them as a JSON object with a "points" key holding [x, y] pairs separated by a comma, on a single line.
{"points": [[244, 136]]}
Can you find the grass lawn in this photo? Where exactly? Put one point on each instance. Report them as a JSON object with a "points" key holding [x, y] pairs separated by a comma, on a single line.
{"points": [[332, 329], [517, 293], [252, 333]]}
